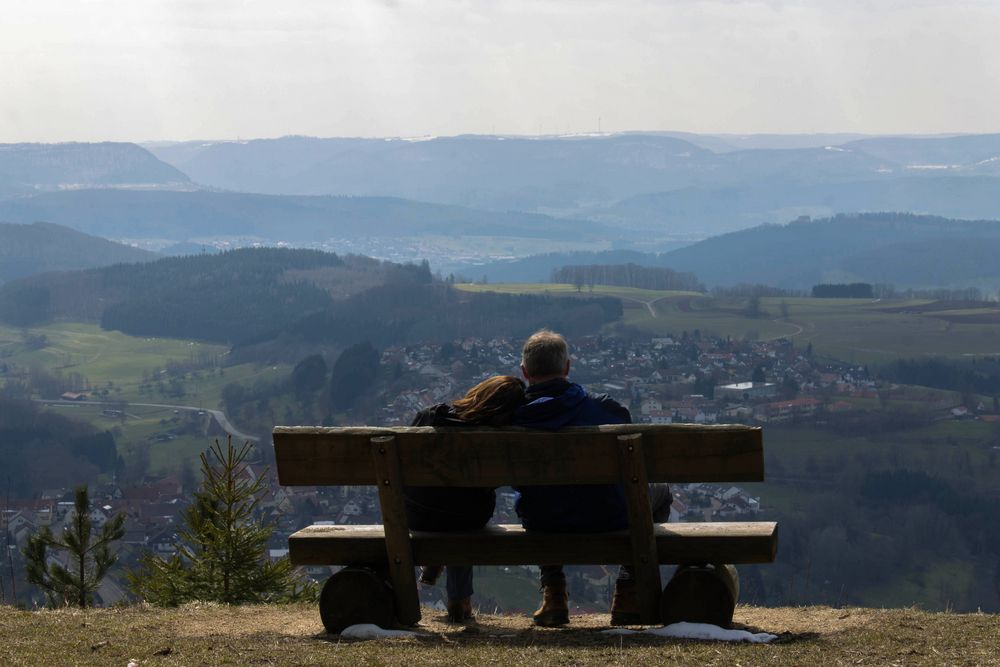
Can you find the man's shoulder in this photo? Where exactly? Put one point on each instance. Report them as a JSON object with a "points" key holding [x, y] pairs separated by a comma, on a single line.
{"points": [[613, 407]]}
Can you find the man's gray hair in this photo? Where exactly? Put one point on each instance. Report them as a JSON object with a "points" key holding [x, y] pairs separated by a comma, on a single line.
{"points": [[544, 353]]}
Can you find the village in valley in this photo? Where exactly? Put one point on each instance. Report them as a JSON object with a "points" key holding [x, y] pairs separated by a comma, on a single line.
{"points": [[688, 378]]}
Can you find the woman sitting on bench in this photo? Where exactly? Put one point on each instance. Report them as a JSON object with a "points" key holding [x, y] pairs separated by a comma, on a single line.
{"points": [[489, 403]]}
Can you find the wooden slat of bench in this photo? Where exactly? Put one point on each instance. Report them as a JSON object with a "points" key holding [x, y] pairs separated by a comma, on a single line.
{"points": [[313, 456], [725, 542]]}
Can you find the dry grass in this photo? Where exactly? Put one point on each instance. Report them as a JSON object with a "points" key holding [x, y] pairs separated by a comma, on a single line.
{"points": [[292, 635]]}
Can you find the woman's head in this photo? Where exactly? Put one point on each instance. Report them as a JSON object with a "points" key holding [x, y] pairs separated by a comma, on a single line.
{"points": [[492, 401]]}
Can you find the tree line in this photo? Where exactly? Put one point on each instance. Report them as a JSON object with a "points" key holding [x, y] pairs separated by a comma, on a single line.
{"points": [[627, 275], [843, 291]]}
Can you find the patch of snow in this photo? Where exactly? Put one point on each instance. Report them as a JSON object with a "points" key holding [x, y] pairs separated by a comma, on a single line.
{"points": [[837, 149], [699, 631], [372, 631], [988, 160], [932, 166]]}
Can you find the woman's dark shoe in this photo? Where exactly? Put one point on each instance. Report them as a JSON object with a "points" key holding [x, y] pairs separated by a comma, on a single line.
{"points": [[429, 574], [460, 610]]}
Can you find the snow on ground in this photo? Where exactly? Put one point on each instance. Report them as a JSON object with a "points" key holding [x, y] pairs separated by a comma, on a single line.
{"points": [[699, 631], [370, 631]]}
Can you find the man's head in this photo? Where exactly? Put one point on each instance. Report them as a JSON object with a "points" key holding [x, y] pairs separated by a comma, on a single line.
{"points": [[545, 356]]}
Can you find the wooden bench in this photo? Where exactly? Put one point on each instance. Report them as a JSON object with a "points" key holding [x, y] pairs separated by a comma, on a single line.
{"points": [[630, 454]]}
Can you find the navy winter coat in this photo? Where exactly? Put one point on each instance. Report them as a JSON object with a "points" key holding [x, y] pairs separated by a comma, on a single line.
{"points": [[582, 508]]}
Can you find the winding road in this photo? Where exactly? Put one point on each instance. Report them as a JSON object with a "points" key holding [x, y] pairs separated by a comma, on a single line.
{"points": [[218, 415]]}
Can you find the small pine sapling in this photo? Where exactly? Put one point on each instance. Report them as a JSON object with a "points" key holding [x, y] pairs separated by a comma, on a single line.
{"points": [[220, 551], [89, 555]]}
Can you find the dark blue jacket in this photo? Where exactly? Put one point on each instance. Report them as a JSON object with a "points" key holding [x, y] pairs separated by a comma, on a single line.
{"points": [[582, 508]]}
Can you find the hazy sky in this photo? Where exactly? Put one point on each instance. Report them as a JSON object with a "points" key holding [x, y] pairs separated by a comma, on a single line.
{"points": [[180, 69]]}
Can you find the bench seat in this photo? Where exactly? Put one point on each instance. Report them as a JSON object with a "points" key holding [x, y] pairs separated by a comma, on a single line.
{"points": [[676, 543]]}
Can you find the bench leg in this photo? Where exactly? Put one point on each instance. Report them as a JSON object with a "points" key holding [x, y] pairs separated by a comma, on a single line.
{"points": [[701, 594], [645, 559], [385, 453], [356, 595]]}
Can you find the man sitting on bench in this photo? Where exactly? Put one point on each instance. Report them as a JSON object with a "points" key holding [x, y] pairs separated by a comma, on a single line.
{"points": [[552, 403]]}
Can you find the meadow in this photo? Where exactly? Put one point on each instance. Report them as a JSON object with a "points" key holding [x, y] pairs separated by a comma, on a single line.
{"points": [[852, 330], [123, 364]]}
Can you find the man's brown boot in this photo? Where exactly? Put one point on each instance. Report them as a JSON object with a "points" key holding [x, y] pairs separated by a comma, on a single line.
{"points": [[555, 606], [625, 604]]}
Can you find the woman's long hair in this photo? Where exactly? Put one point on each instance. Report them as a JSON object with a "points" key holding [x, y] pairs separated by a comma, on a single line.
{"points": [[492, 401]]}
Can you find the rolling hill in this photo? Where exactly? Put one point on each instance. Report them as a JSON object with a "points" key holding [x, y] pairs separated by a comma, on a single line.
{"points": [[903, 250], [182, 216], [39, 247], [29, 168]]}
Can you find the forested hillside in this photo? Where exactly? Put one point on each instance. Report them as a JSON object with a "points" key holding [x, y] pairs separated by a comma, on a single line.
{"points": [[903, 250], [39, 247], [46, 450], [255, 297], [210, 297]]}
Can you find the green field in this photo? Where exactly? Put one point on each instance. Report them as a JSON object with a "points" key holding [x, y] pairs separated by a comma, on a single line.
{"points": [[101, 357], [854, 330]]}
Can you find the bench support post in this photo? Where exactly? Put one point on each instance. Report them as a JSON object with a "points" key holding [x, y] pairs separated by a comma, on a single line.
{"points": [[385, 452], [645, 561]]}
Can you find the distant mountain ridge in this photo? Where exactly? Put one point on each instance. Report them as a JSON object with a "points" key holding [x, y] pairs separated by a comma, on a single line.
{"points": [[30, 168], [578, 173], [39, 247], [180, 216]]}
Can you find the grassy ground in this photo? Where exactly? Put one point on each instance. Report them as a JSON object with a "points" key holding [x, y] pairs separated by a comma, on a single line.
{"points": [[857, 330], [292, 635]]}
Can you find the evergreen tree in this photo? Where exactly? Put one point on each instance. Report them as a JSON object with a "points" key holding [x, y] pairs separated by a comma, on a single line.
{"points": [[220, 551], [89, 559]]}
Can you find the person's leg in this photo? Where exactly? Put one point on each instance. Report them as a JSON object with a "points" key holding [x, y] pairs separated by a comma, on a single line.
{"points": [[458, 583], [660, 499], [552, 574]]}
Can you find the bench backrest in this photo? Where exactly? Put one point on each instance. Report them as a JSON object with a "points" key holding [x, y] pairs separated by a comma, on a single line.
{"points": [[431, 456]]}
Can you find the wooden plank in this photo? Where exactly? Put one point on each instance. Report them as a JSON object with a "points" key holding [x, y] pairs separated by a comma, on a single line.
{"points": [[676, 543], [312, 456], [398, 553], [645, 568]]}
